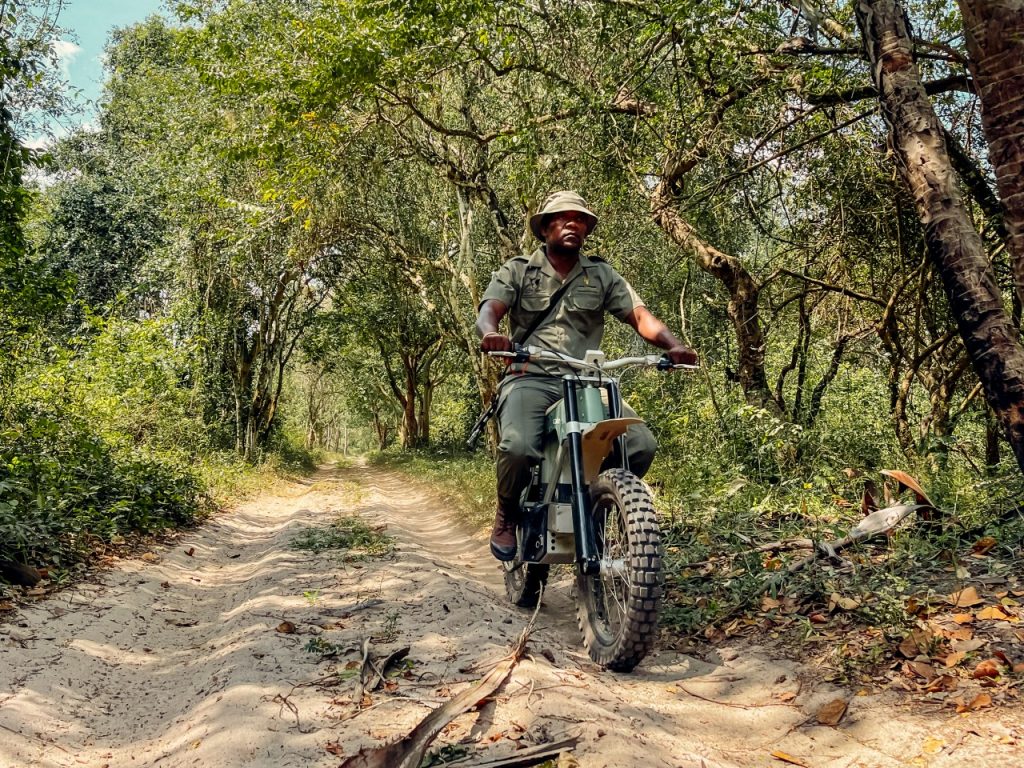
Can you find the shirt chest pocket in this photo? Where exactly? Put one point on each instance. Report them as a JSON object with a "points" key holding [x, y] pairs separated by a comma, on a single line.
{"points": [[585, 299], [534, 300]]}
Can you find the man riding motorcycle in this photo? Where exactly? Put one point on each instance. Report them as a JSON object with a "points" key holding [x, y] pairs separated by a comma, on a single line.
{"points": [[557, 298]]}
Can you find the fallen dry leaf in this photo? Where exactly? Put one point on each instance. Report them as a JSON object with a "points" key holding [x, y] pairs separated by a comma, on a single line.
{"points": [[1018, 669], [150, 557], [916, 606], [335, 749], [831, 713], [932, 746], [967, 646], [6, 606], [961, 635], [780, 755], [919, 668], [817, 618], [904, 479], [286, 628], [993, 613], [191, 551], [963, 618], [770, 603], [986, 668], [983, 545], [786, 696], [944, 683], [965, 598], [917, 642], [954, 658], [843, 603], [980, 701]]}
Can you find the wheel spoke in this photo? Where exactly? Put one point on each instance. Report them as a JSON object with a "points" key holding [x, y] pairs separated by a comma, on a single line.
{"points": [[613, 582]]}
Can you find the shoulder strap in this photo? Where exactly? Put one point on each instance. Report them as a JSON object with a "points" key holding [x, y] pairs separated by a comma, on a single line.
{"points": [[556, 297]]}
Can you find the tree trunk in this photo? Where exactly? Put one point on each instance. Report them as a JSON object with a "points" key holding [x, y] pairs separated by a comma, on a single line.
{"points": [[994, 31], [954, 246], [464, 277], [410, 425], [426, 400], [744, 294], [991, 443]]}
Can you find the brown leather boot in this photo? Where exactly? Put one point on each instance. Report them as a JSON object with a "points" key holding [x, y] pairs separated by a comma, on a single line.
{"points": [[503, 536]]}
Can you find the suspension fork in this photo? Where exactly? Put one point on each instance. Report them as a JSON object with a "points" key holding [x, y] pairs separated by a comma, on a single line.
{"points": [[614, 412], [586, 541]]}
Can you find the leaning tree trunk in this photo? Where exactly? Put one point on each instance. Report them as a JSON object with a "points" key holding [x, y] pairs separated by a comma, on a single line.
{"points": [[744, 293], [953, 243], [994, 30]]}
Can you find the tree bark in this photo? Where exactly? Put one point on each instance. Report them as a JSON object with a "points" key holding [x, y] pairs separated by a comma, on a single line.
{"points": [[744, 293], [954, 246], [994, 32]]}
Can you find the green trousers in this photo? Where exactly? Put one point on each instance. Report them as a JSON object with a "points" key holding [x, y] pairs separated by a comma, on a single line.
{"points": [[521, 408]]}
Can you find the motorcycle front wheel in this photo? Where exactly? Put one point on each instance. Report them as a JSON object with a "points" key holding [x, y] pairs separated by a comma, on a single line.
{"points": [[617, 608]]}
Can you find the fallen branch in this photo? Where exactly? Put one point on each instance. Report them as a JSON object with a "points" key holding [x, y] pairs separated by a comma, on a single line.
{"points": [[408, 752], [877, 523], [372, 673], [344, 613], [365, 670], [526, 757], [735, 705]]}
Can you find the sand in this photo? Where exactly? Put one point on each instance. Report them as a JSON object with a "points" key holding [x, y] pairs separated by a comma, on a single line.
{"points": [[176, 659]]}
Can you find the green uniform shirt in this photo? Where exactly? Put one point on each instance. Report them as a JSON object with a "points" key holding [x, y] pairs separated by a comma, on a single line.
{"points": [[525, 285]]}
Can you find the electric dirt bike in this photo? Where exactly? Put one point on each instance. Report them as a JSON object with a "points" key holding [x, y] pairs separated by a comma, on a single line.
{"points": [[602, 521]]}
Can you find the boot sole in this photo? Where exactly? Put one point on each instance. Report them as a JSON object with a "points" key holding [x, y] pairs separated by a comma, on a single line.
{"points": [[504, 554]]}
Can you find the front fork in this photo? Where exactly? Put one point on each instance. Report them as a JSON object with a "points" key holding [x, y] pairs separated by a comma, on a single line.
{"points": [[587, 555]]}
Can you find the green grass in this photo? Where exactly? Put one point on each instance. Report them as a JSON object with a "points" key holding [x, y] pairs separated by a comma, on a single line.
{"points": [[351, 534]]}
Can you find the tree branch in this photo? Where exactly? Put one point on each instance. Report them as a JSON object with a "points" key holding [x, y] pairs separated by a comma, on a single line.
{"points": [[944, 85], [834, 288]]}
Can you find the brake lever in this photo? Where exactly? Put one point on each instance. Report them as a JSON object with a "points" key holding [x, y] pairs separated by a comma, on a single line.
{"points": [[519, 354], [664, 364]]}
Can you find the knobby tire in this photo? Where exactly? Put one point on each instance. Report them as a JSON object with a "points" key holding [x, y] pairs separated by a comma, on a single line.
{"points": [[618, 611], [524, 582]]}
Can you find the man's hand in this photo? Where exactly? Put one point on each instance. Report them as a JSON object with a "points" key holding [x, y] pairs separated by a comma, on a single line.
{"points": [[682, 355], [495, 342]]}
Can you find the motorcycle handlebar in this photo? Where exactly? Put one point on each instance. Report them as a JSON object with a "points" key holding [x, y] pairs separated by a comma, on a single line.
{"points": [[526, 354]]}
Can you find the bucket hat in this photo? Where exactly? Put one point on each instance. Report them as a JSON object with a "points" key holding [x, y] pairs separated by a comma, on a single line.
{"points": [[559, 202]]}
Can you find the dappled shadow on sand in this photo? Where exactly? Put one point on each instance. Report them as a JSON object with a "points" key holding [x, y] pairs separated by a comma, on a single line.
{"points": [[180, 662]]}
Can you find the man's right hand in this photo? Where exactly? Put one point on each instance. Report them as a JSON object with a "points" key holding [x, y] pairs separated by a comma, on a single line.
{"points": [[495, 342]]}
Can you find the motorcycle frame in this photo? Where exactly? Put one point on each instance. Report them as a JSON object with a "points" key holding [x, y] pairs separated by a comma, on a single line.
{"points": [[570, 452]]}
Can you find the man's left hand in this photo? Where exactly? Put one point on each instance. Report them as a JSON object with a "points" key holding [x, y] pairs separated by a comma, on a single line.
{"points": [[682, 355]]}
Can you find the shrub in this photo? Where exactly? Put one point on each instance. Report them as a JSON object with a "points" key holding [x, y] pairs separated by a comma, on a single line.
{"points": [[60, 482]]}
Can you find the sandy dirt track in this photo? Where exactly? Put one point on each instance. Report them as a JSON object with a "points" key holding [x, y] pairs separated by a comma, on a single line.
{"points": [[179, 662]]}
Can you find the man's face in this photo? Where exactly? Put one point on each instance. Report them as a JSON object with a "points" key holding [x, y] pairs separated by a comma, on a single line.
{"points": [[566, 231]]}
